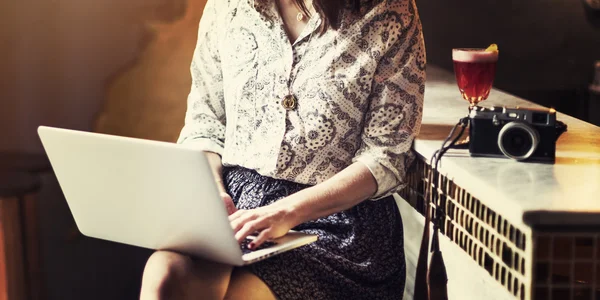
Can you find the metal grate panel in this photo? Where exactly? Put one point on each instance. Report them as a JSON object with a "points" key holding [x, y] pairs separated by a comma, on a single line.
{"points": [[495, 244]]}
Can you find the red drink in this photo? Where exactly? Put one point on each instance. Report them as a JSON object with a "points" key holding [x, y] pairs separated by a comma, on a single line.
{"points": [[475, 70]]}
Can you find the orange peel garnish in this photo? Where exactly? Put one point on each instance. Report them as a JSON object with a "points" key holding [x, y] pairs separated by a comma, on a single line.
{"points": [[492, 48]]}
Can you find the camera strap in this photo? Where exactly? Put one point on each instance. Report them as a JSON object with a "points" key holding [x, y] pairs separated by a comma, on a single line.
{"points": [[431, 282]]}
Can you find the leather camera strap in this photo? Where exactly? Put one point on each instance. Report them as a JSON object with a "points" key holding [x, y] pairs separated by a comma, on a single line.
{"points": [[431, 282]]}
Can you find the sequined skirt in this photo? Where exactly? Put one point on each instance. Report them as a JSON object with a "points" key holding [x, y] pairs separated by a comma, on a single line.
{"points": [[359, 253]]}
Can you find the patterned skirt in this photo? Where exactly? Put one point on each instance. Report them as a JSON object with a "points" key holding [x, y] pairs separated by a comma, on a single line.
{"points": [[359, 253]]}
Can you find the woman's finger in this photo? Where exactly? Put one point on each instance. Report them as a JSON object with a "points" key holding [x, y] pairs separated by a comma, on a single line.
{"points": [[237, 214], [247, 229], [228, 203], [237, 219], [243, 219], [264, 235]]}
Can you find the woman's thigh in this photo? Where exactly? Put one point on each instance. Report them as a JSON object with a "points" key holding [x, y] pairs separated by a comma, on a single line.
{"points": [[245, 285]]}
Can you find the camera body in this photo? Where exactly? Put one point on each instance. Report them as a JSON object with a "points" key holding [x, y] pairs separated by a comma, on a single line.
{"points": [[516, 133]]}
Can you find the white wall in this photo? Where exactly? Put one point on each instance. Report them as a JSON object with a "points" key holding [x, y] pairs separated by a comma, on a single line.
{"points": [[61, 63], [56, 57]]}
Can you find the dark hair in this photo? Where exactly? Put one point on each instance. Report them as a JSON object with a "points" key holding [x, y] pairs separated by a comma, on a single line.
{"points": [[329, 11]]}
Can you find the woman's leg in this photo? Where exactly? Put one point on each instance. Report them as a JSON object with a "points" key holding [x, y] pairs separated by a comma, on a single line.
{"points": [[245, 285], [170, 275]]}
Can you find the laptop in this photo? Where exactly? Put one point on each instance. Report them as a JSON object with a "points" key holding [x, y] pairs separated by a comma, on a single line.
{"points": [[150, 194]]}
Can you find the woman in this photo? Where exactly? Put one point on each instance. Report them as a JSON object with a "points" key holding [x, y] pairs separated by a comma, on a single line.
{"points": [[305, 110]]}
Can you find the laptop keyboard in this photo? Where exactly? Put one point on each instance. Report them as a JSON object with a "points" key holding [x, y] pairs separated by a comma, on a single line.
{"points": [[244, 245]]}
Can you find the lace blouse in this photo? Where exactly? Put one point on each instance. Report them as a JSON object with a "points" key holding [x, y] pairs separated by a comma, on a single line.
{"points": [[358, 91]]}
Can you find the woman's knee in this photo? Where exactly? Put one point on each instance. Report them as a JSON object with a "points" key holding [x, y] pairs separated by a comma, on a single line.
{"points": [[166, 273]]}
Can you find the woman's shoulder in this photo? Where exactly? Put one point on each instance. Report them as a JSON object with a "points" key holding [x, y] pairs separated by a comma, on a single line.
{"points": [[400, 6], [371, 7], [379, 10]]}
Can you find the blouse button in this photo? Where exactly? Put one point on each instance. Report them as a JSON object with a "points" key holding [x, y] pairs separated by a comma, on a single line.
{"points": [[289, 102]]}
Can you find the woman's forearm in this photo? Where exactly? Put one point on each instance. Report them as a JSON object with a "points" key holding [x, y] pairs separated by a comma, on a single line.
{"points": [[346, 189]]}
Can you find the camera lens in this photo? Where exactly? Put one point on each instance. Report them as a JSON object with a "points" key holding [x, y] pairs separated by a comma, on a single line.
{"points": [[518, 140]]}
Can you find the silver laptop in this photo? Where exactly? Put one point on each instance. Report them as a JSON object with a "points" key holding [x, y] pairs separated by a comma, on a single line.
{"points": [[150, 194]]}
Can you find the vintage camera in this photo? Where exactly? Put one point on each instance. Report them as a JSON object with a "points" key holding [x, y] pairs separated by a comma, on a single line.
{"points": [[517, 133]]}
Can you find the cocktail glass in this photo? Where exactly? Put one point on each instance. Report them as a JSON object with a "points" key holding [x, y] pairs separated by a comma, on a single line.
{"points": [[475, 69]]}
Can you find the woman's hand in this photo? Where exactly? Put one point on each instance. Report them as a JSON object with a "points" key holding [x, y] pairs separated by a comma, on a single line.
{"points": [[271, 221], [216, 166], [228, 203]]}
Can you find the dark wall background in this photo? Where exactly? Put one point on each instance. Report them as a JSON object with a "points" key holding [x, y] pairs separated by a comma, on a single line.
{"points": [[547, 47]]}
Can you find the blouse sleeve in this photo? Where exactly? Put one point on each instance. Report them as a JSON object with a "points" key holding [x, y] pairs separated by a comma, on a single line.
{"points": [[394, 116], [205, 117]]}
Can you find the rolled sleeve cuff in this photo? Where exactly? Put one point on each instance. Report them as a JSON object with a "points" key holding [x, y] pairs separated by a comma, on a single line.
{"points": [[204, 144], [386, 181]]}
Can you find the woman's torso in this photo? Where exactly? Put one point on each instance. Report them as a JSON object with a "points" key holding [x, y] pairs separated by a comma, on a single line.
{"points": [[331, 76]]}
